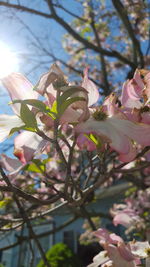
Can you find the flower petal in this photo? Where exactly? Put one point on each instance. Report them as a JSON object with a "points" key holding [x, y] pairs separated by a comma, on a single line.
{"points": [[108, 132], [129, 97], [49, 77], [20, 88], [26, 144], [117, 259], [99, 259], [13, 166], [93, 94], [8, 122], [136, 131]]}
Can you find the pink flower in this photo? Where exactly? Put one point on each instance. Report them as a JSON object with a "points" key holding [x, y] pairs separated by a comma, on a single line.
{"points": [[93, 94], [146, 80], [136, 96], [116, 253], [132, 91], [84, 142], [118, 133], [20, 88], [45, 82], [27, 144], [77, 111]]}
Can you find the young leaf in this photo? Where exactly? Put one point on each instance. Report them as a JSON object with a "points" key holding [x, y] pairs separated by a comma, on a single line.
{"points": [[27, 116], [37, 104], [54, 110], [67, 103], [36, 166], [68, 92], [16, 129]]}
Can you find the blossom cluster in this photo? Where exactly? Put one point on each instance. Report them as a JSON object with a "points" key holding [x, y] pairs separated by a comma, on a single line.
{"points": [[63, 120], [120, 124], [117, 253]]}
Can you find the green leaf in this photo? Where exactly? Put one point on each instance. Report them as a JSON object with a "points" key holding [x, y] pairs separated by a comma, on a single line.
{"points": [[85, 31], [37, 104], [93, 138], [27, 116], [30, 129], [40, 105], [36, 166], [67, 103], [146, 214], [16, 129], [54, 109], [5, 202], [68, 92], [130, 191]]}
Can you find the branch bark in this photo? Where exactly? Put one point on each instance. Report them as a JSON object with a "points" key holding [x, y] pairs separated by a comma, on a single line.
{"points": [[126, 22]]}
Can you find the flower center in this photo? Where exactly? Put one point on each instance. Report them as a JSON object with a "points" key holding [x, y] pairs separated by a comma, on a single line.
{"points": [[99, 115], [145, 109], [147, 250]]}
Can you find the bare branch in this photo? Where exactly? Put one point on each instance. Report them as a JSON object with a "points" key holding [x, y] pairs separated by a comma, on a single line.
{"points": [[85, 42], [124, 17], [70, 12], [25, 9]]}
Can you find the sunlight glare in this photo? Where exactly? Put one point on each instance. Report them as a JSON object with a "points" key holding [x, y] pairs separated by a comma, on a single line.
{"points": [[8, 61]]}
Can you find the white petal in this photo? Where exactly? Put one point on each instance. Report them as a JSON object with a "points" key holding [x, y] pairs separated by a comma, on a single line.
{"points": [[6, 124], [20, 88]]}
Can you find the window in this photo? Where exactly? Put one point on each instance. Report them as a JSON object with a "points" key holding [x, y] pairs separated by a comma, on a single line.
{"points": [[69, 239]]}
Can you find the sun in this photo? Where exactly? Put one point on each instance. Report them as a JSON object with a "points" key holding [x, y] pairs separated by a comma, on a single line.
{"points": [[8, 61]]}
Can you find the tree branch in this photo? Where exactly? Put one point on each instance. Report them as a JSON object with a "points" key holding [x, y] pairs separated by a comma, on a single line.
{"points": [[85, 42], [25, 9], [126, 22]]}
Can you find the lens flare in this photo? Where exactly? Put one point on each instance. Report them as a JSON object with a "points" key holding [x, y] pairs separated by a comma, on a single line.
{"points": [[8, 61]]}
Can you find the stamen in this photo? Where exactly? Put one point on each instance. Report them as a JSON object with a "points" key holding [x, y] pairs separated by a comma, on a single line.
{"points": [[99, 115]]}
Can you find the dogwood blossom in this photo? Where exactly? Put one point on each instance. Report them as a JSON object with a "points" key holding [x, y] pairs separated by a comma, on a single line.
{"points": [[116, 253]]}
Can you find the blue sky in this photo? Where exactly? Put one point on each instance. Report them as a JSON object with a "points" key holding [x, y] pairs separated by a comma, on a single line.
{"points": [[15, 36]]}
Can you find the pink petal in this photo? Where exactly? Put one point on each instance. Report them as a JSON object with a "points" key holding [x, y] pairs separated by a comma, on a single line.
{"points": [[115, 239], [125, 252], [139, 83], [93, 94], [48, 78], [145, 117], [117, 259], [130, 155], [108, 132], [136, 131], [13, 166], [51, 94], [129, 97], [147, 82], [26, 144], [84, 143], [20, 88], [102, 234], [123, 219]]}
